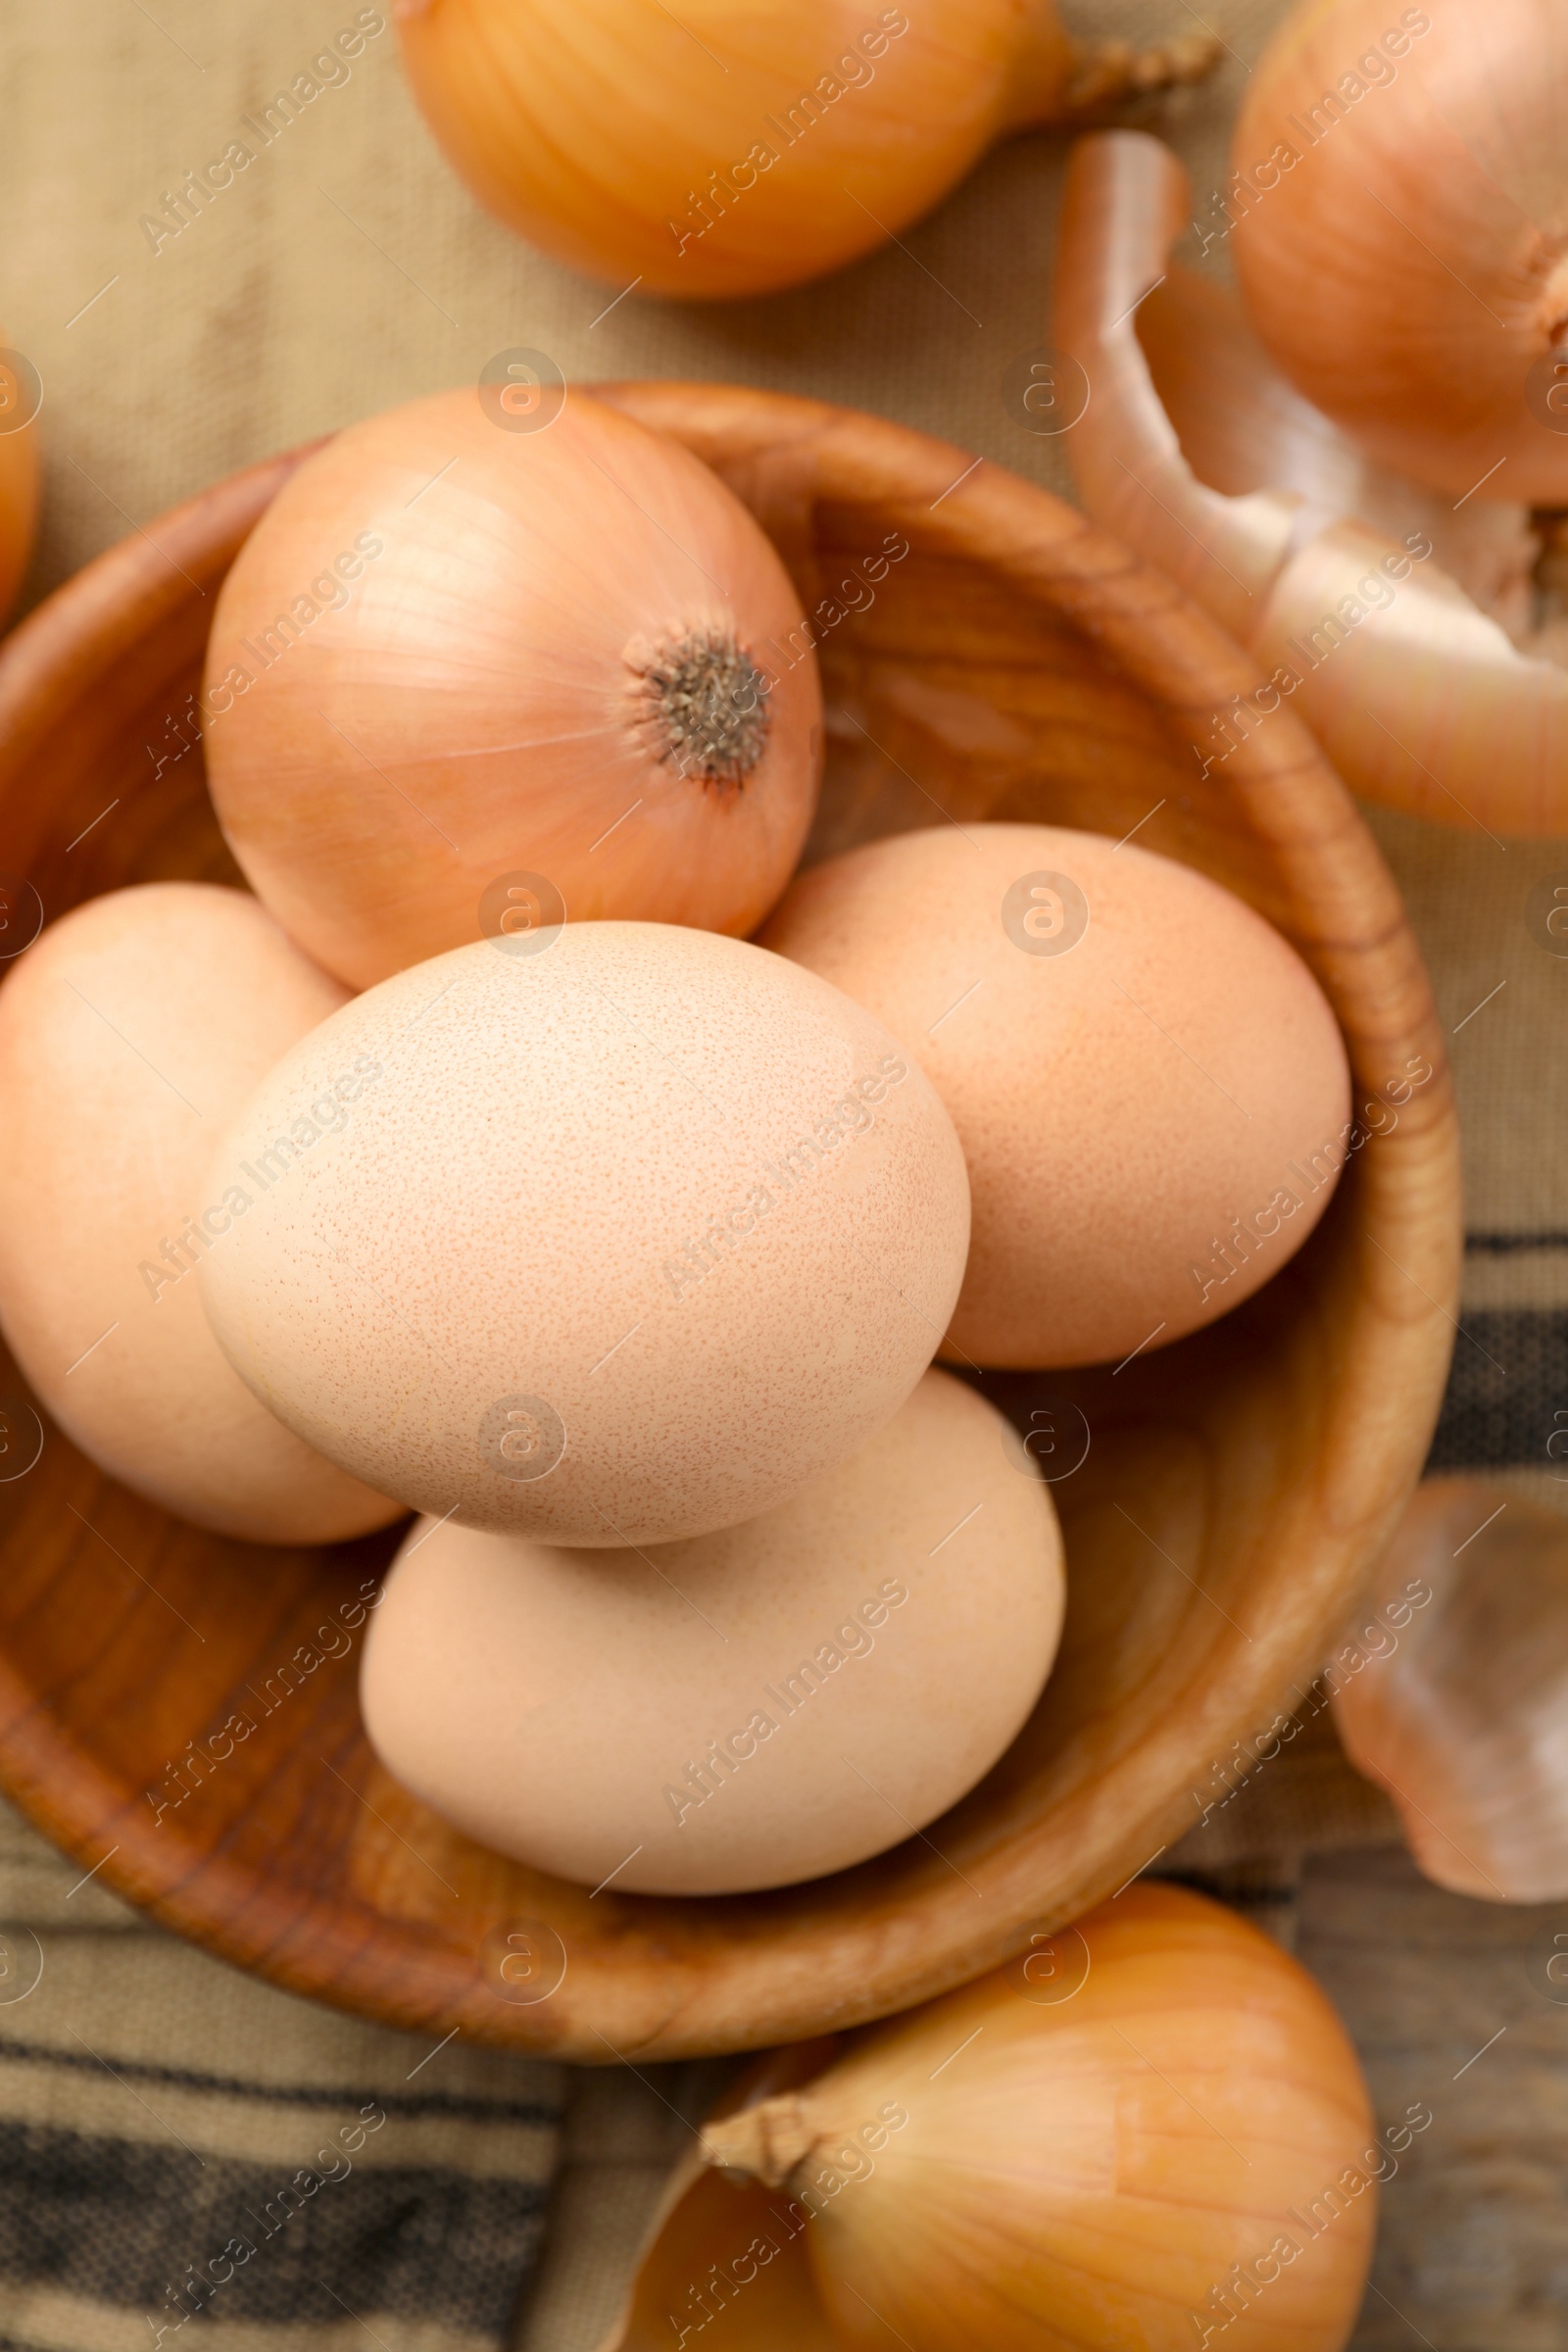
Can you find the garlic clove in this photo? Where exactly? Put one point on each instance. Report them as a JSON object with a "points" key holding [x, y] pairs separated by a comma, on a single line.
{"points": [[1198, 452], [1465, 1723], [1401, 193]]}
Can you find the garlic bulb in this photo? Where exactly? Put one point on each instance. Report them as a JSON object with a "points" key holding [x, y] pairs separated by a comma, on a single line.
{"points": [[19, 472], [1465, 1722], [1360, 594], [1400, 201], [735, 146], [1147, 2127]]}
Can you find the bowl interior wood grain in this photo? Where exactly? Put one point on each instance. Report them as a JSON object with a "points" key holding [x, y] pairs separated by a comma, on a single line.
{"points": [[169, 1696]]}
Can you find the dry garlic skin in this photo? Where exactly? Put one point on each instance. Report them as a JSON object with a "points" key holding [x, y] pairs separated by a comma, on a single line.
{"points": [[1149, 1087], [463, 674], [614, 1240], [744, 1709], [128, 1034]]}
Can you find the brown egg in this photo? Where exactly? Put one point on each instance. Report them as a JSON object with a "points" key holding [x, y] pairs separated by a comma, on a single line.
{"points": [[631, 1231], [744, 1709], [1149, 1087], [128, 1034]]}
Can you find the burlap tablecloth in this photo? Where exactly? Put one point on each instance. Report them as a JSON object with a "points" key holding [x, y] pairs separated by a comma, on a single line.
{"points": [[153, 2104]]}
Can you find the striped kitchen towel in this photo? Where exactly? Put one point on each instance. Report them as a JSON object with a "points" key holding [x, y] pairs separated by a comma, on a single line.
{"points": [[185, 2148]]}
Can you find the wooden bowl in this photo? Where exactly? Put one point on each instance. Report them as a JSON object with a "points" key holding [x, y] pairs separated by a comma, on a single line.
{"points": [[1015, 663]]}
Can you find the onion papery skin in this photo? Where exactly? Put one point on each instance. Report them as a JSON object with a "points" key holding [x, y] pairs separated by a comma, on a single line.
{"points": [[1460, 1710], [473, 704], [1087, 2172], [1199, 453], [19, 504], [1409, 268], [631, 142]]}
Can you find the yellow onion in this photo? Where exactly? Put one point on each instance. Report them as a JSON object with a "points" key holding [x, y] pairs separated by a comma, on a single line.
{"points": [[19, 476], [735, 146], [1458, 1706], [467, 680], [1150, 2129], [1399, 194], [1417, 671]]}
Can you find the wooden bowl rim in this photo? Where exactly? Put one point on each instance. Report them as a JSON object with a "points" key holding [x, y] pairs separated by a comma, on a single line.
{"points": [[1283, 789]]}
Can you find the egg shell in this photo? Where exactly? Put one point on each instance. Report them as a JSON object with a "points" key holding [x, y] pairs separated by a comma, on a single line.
{"points": [[838, 1670], [628, 1234], [130, 1033], [1133, 1059]]}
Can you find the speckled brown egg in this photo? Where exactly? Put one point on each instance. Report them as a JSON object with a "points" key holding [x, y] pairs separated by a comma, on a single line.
{"points": [[745, 1709], [622, 1233], [1150, 1086], [128, 1035]]}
